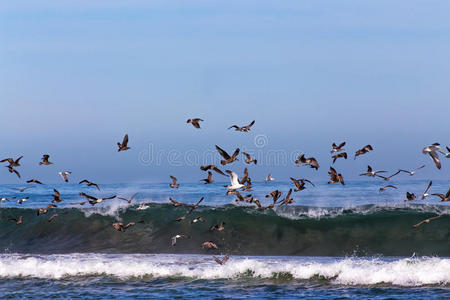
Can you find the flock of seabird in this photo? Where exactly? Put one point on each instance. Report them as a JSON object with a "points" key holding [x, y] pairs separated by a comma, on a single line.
{"points": [[236, 186]]}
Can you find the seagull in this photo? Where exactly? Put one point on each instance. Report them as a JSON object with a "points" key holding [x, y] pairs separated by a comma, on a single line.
{"points": [[120, 227], [427, 221], [34, 181], [310, 161], [249, 159], [243, 128], [143, 206], [212, 167], [198, 219], [411, 173], [425, 194], [371, 173], [444, 198], [227, 158], [410, 196], [447, 155], [56, 196], [20, 201], [336, 148], [335, 177], [45, 161], [18, 221], [12, 170], [431, 150], [12, 162], [209, 179], [209, 245], [223, 260], [176, 203], [287, 199], [234, 181], [389, 177], [124, 145], [218, 227], [64, 175], [174, 238], [6, 199], [195, 122], [89, 183], [269, 178], [336, 156], [43, 211], [300, 183], [23, 189], [386, 187], [174, 183], [128, 200], [93, 200], [363, 150]]}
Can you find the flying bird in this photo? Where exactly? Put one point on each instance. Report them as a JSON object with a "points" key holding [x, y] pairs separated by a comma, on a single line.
{"points": [[245, 177], [432, 151], [42, 211], [410, 196], [269, 178], [336, 156], [218, 227], [45, 161], [213, 168], [447, 155], [20, 201], [120, 227], [335, 176], [174, 183], [93, 200], [243, 128], [56, 196], [195, 122], [18, 221], [209, 179], [444, 198], [64, 175], [336, 148], [411, 173], [234, 179], [425, 194], [6, 199], [223, 260], [143, 206], [128, 200], [227, 158], [198, 219], [427, 221], [89, 183], [12, 170], [12, 162], [209, 245], [300, 183], [176, 203], [388, 177], [34, 181], [371, 173], [386, 187], [52, 218], [363, 150], [174, 238], [124, 145], [287, 199], [310, 161], [249, 159], [23, 189]]}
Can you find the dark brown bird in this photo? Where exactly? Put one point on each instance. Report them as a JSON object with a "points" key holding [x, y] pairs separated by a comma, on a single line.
{"points": [[45, 161], [410, 196], [388, 177], [93, 200], [34, 181], [43, 211], [18, 221], [223, 260], [195, 206], [89, 183], [174, 183], [444, 198], [300, 183], [218, 227], [363, 150], [120, 227], [209, 245], [275, 195], [336, 156], [427, 221], [335, 176], [212, 167], [336, 148], [176, 203], [244, 177], [287, 199], [227, 158], [310, 161], [128, 200], [243, 128], [56, 196], [386, 187], [12, 170], [12, 162], [55, 215], [195, 122], [249, 159], [209, 179], [124, 145]]}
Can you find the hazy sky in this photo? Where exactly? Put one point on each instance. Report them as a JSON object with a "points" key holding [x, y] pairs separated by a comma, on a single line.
{"points": [[75, 76]]}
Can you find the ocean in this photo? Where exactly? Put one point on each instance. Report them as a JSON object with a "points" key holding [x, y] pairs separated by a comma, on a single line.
{"points": [[333, 242]]}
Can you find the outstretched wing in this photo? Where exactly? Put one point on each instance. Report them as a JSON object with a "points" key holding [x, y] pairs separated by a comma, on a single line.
{"points": [[223, 153]]}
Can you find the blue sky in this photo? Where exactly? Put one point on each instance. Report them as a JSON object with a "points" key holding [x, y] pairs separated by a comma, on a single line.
{"points": [[76, 76]]}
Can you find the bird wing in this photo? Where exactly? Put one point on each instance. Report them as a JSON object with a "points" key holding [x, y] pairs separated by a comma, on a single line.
{"points": [[419, 168], [428, 188], [435, 158], [56, 193], [247, 155], [111, 197], [174, 180], [236, 152], [88, 196], [17, 172], [223, 153], [83, 181], [174, 240], [368, 147], [234, 178], [442, 196], [341, 145], [218, 171], [125, 140], [448, 194], [217, 260]]}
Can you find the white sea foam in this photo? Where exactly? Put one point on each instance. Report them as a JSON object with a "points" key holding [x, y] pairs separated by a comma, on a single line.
{"points": [[349, 271]]}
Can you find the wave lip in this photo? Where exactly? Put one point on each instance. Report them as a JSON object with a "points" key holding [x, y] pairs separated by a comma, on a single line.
{"points": [[406, 272]]}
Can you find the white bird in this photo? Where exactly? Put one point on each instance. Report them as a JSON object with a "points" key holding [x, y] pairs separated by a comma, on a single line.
{"points": [[269, 178], [234, 178], [20, 201], [431, 150], [425, 194], [174, 238], [6, 199], [143, 206], [411, 173], [64, 175]]}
